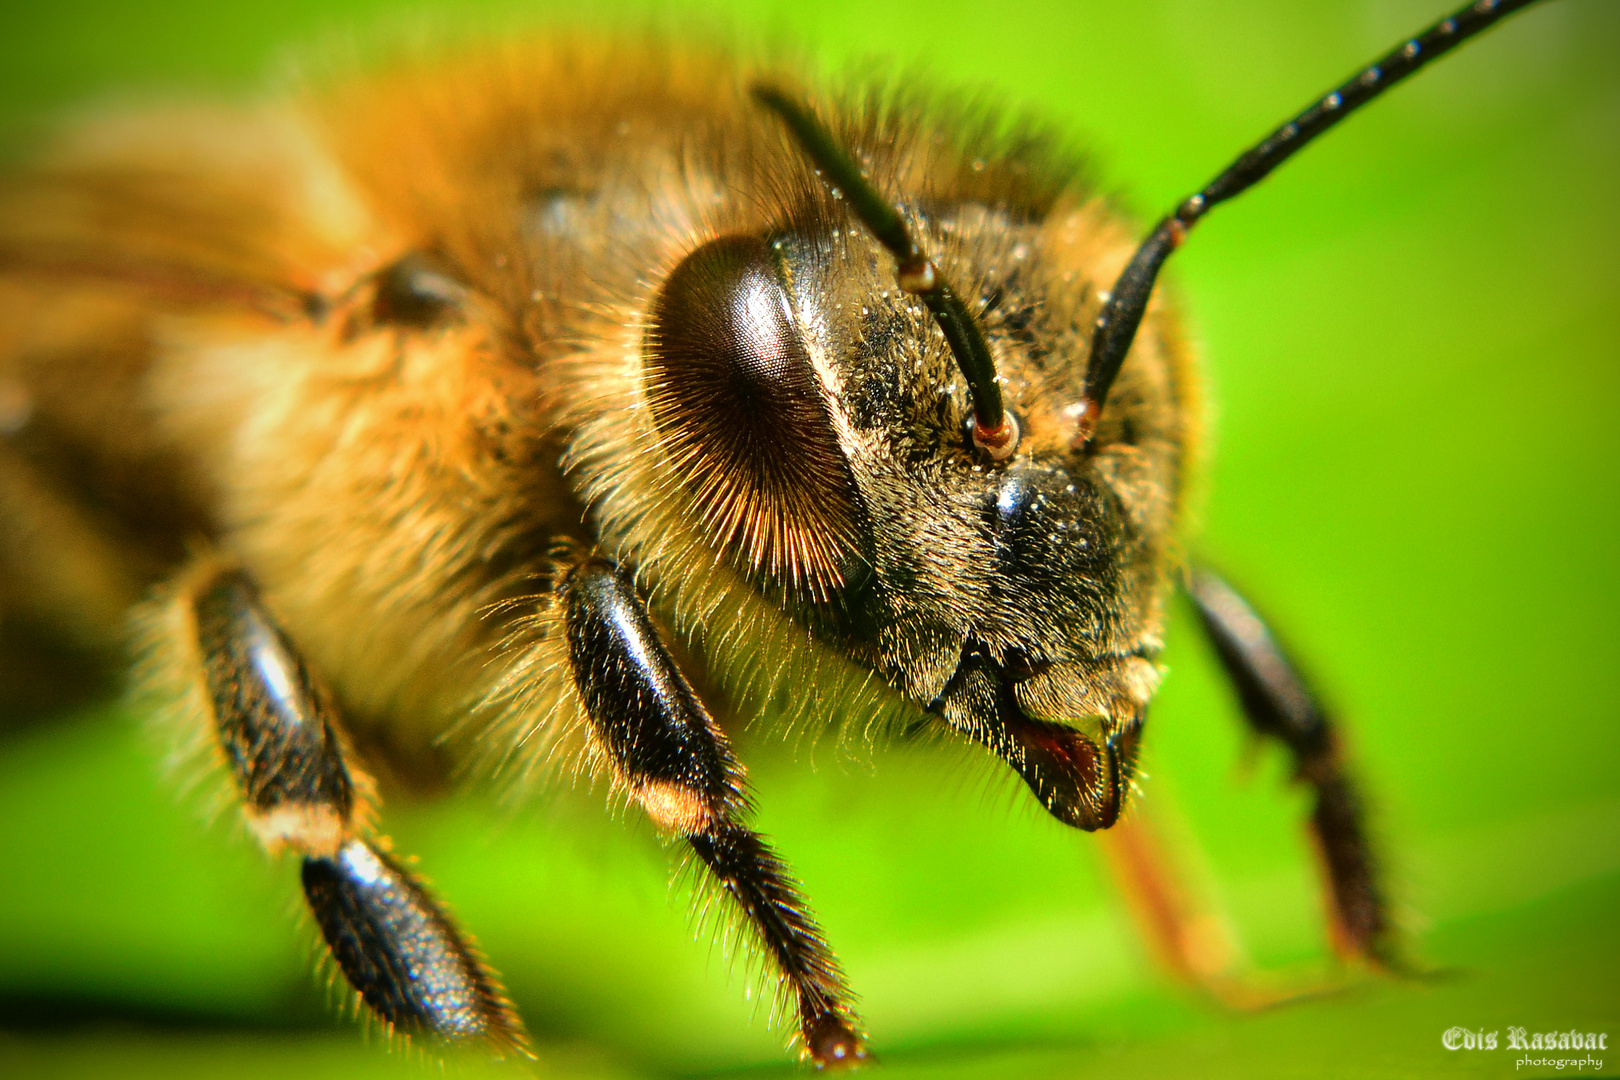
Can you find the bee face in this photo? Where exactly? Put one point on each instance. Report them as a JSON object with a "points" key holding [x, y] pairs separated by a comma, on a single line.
{"points": [[812, 430], [1018, 600], [1350, 503]]}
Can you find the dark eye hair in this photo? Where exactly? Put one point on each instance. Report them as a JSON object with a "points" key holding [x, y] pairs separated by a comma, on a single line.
{"points": [[740, 409]]}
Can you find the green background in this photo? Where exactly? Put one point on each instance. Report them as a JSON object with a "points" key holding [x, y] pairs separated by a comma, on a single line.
{"points": [[1411, 338]]}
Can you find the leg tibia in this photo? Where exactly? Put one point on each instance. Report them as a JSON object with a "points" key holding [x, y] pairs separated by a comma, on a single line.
{"points": [[275, 724], [659, 738], [278, 730]]}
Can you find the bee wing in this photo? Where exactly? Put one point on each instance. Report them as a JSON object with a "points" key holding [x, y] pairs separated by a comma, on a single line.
{"points": [[182, 207]]}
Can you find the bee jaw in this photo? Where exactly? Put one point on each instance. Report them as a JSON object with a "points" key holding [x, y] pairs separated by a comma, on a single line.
{"points": [[1079, 770], [1079, 778]]}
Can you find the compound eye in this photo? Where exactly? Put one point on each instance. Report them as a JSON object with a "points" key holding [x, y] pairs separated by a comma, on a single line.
{"points": [[743, 421]]}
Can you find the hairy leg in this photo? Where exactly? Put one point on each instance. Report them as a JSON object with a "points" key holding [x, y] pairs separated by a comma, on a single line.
{"points": [[664, 748], [1280, 706], [278, 732]]}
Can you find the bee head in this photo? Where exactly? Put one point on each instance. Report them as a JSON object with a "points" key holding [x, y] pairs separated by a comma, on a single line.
{"points": [[826, 439]]}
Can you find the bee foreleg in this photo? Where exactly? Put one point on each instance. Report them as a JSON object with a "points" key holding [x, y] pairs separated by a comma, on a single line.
{"points": [[667, 751], [278, 730], [1279, 705]]}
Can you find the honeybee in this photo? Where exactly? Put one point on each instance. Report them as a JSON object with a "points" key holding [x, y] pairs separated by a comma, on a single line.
{"points": [[676, 547]]}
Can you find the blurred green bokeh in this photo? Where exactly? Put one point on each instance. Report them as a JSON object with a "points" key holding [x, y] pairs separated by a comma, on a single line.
{"points": [[1411, 334]]}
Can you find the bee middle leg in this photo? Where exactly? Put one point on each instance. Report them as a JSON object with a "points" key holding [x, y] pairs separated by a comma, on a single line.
{"points": [[1193, 939], [1279, 705], [667, 751], [278, 730]]}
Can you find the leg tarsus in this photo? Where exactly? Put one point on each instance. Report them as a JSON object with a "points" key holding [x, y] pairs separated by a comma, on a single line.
{"points": [[749, 871]]}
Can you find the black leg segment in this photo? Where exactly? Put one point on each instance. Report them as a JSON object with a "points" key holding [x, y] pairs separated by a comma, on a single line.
{"points": [[278, 731], [667, 751], [642, 712], [399, 951], [1279, 705], [275, 725]]}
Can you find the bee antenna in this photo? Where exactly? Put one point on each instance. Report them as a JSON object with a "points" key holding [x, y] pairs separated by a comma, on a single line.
{"points": [[994, 430], [1116, 327]]}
